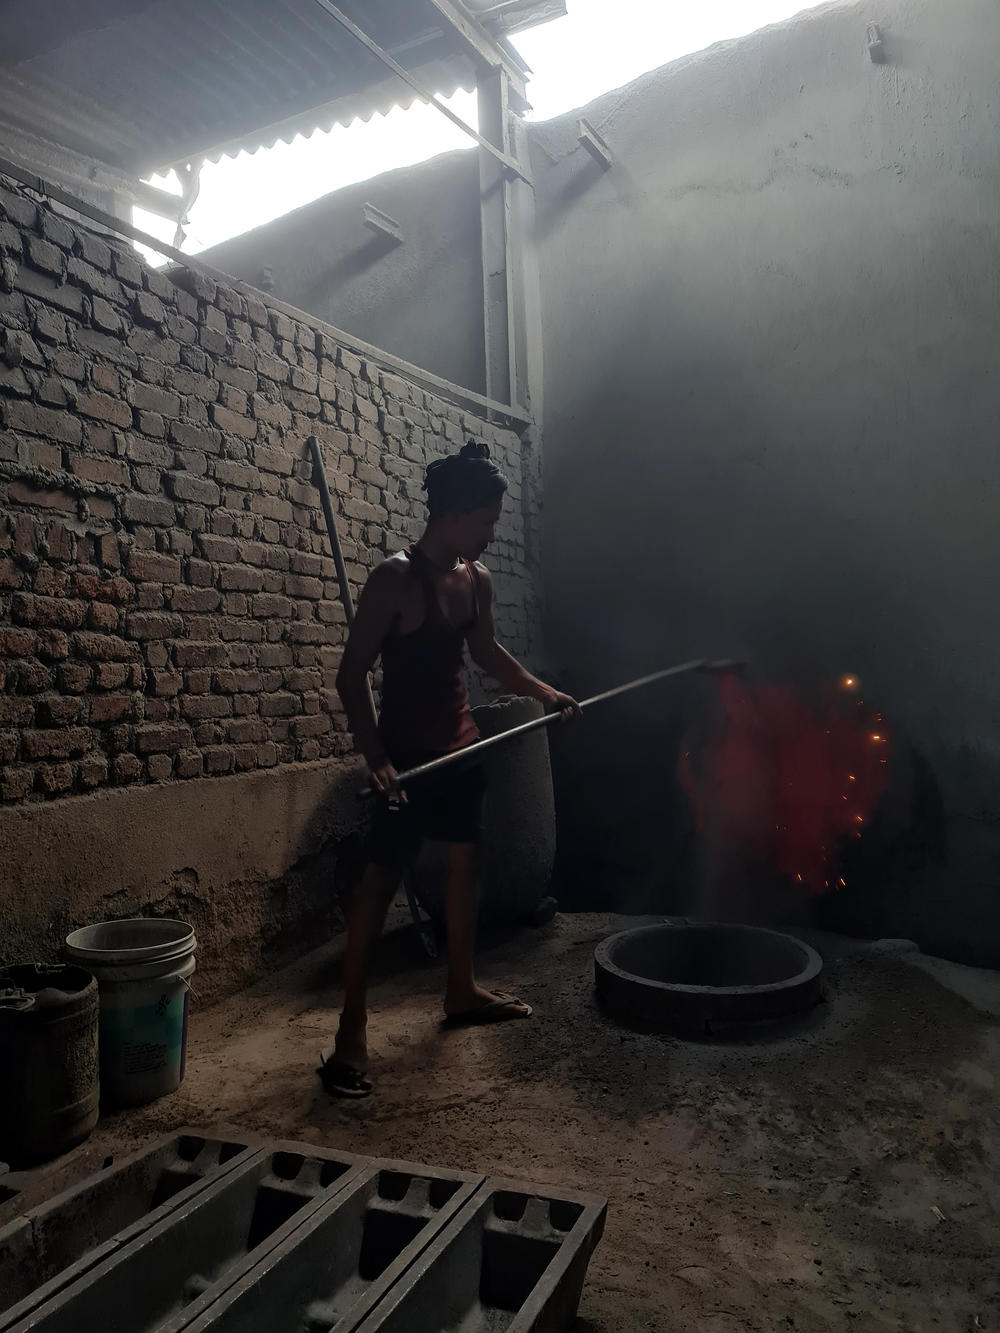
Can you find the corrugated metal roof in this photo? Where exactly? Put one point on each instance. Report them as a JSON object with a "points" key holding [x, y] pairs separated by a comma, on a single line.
{"points": [[142, 84]]}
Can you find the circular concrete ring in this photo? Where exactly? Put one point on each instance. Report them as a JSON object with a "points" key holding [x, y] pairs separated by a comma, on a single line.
{"points": [[697, 979]]}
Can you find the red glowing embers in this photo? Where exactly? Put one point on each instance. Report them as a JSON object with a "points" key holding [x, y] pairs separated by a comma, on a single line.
{"points": [[786, 780]]}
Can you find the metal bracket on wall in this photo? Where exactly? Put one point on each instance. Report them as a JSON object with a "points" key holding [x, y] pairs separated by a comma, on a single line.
{"points": [[594, 144], [381, 222], [876, 46], [189, 175]]}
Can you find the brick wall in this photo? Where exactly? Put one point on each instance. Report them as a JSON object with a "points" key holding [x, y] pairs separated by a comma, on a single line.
{"points": [[168, 607]]}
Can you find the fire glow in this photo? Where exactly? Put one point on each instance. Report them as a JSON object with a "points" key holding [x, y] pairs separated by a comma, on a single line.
{"points": [[788, 782]]}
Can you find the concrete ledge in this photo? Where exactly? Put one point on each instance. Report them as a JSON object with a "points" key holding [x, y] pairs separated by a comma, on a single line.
{"points": [[250, 863]]}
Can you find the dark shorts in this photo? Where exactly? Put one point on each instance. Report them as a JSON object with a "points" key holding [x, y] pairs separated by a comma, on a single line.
{"points": [[445, 807]]}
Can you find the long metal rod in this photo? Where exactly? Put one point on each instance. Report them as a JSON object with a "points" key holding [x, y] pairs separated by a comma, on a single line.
{"points": [[435, 765], [419, 88], [319, 478]]}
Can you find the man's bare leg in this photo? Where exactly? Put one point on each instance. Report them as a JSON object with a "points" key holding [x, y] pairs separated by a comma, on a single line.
{"points": [[364, 927], [464, 994]]}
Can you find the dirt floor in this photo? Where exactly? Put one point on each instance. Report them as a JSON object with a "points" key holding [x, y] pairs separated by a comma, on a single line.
{"points": [[841, 1176]]}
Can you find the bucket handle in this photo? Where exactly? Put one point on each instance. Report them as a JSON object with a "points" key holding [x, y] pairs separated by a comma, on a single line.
{"points": [[185, 982]]}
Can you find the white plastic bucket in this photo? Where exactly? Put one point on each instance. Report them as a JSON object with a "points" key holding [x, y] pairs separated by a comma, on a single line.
{"points": [[142, 968]]}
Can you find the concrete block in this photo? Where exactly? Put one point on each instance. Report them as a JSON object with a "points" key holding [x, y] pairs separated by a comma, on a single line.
{"points": [[514, 1258], [167, 1275], [58, 1241], [332, 1271]]}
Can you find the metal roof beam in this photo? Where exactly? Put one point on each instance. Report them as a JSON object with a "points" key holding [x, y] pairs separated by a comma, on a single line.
{"points": [[418, 87], [511, 16], [481, 45]]}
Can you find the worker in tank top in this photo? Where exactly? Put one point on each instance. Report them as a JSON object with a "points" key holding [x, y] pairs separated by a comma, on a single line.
{"points": [[419, 611]]}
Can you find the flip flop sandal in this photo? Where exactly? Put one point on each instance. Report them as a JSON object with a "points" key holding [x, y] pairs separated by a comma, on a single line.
{"points": [[343, 1080], [502, 1009]]}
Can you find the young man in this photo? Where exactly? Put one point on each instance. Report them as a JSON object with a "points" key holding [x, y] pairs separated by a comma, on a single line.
{"points": [[418, 611]]}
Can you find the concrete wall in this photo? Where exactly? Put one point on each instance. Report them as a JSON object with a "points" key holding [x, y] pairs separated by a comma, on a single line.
{"points": [[256, 862], [169, 614], [421, 300], [772, 396]]}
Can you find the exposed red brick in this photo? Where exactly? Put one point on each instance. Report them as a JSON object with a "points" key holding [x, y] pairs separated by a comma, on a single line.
{"points": [[189, 764], [48, 456], [240, 578], [267, 755], [244, 730], [16, 783], [200, 573], [150, 567], [194, 599], [103, 647], [111, 675], [21, 492], [280, 705], [219, 758], [103, 377], [100, 507], [59, 612], [101, 471], [11, 575], [59, 541], [154, 625], [93, 770], [201, 706], [146, 509], [166, 684], [53, 645], [159, 767], [59, 743], [110, 708], [163, 738], [106, 544], [58, 711], [74, 679], [50, 582], [127, 768], [318, 725], [103, 407], [54, 778], [16, 712], [103, 616], [95, 588], [32, 676]]}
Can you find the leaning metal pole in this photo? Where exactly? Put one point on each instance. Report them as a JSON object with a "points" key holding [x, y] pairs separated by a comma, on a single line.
{"points": [[423, 928]]}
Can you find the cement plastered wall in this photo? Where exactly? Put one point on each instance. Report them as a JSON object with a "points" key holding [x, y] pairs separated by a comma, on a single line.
{"points": [[771, 407], [170, 618], [253, 861], [421, 299]]}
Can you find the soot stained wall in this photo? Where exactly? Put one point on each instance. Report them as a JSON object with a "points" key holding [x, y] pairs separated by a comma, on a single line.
{"points": [[771, 406]]}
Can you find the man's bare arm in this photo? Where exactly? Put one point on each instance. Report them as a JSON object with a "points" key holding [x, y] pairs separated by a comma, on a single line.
{"points": [[377, 609], [497, 662]]}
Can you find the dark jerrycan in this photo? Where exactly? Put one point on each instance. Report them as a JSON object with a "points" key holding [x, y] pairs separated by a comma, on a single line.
{"points": [[48, 1055]]}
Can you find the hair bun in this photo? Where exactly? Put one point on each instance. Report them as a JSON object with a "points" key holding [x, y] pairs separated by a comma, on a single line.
{"points": [[472, 450]]}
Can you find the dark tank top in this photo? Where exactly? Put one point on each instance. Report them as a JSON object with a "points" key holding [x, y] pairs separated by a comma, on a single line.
{"points": [[425, 703]]}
